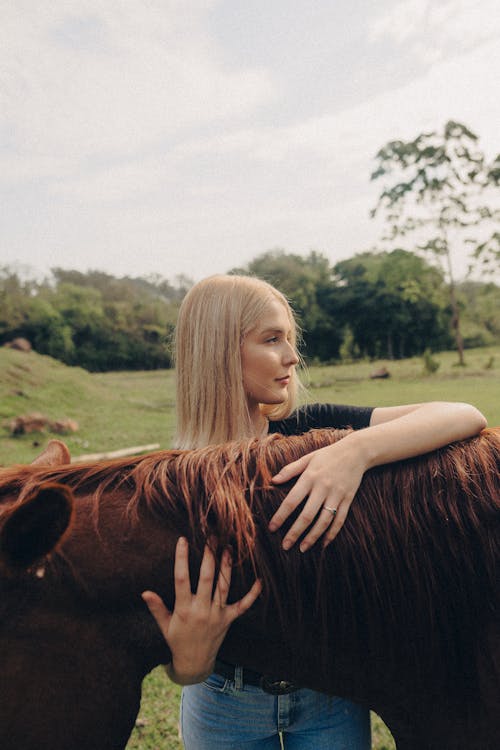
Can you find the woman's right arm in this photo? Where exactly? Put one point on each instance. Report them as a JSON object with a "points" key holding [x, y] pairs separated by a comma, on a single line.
{"points": [[199, 622]]}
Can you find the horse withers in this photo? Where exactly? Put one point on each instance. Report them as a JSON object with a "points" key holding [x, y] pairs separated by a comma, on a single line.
{"points": [[400, 613]]}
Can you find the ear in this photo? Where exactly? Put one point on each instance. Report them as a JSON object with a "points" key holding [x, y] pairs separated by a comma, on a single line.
{"points": [[32, 529], [54, 454]]}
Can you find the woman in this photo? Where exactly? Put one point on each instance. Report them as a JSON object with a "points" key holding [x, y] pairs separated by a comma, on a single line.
{"points": [[236, 363]]}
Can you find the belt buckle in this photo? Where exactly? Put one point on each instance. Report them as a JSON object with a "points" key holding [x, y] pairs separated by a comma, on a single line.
{"points": [[277, 687]]}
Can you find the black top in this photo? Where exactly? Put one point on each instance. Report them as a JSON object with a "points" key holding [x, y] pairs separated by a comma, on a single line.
{"points": [[322, 415]]}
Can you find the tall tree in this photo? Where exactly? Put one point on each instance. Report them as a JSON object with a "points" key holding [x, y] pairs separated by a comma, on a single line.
{"points": [[439, 191]]}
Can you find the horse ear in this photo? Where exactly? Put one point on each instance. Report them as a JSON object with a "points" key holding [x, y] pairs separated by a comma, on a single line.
{"points": [[55, 453], [32, 529]]}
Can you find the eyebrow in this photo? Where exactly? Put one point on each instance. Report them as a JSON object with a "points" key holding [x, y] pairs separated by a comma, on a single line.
{"points": [[271, 330]]}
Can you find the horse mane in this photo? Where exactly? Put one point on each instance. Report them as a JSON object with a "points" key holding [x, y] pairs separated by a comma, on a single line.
{"points": [[213, 485], [412, 575], [224, 487]]}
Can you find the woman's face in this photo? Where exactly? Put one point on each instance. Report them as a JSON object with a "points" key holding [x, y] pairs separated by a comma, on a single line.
{"points": [[268, 358]]}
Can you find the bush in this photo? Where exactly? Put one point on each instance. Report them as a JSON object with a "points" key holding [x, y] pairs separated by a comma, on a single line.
{"points": [[430, 364]]}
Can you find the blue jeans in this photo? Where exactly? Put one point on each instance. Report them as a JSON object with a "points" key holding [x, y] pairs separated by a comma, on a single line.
{"points": [[220, 714]]}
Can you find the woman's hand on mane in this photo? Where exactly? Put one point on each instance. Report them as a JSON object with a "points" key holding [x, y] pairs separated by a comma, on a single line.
{"points": [[329, 479], [196, 628]]}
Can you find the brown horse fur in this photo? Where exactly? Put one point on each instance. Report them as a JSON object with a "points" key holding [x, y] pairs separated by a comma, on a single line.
{"points": [[400, 612]]}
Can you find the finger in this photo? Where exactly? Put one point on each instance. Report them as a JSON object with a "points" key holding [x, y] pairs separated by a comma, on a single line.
{"points": [[337, 525], [307, 516], [242, 605], [158, 609], [291, 470], [323, 525], [206, 578], [291, 501], [182, 580], [224, 579]]}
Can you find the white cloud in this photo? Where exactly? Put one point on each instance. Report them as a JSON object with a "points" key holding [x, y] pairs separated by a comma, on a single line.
{"points": [[350, 139], [83, 82], [436, 29], [130, 145]]}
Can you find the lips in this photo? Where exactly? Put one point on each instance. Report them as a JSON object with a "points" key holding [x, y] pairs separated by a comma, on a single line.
{"points": [[284, 381]]}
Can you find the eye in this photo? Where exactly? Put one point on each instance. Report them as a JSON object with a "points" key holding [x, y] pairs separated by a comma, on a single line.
{"points": [[272, 340]]}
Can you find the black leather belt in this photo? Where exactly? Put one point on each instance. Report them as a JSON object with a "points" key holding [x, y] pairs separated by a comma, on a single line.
{"points": [[268, 684]]}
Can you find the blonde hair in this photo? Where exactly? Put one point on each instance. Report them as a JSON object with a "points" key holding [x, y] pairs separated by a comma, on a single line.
{"points": [[214, 318]]}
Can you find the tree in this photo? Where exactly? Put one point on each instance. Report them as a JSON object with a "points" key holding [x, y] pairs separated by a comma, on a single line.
{"points": [[92, 319], [439, 192], [390, 304], [13, 296], [481, 318]]}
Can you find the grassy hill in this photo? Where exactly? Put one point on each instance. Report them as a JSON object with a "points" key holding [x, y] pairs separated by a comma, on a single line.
{"points": [[112, 411]]}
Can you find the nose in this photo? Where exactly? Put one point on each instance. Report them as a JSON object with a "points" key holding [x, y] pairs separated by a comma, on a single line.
{"points": [[290, 356]]}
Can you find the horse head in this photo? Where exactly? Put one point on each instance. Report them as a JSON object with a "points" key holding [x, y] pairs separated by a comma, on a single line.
{"points": [[31, 529]]}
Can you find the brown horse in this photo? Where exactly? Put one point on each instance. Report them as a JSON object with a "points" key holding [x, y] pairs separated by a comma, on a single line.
{"points": [[399, 613]]}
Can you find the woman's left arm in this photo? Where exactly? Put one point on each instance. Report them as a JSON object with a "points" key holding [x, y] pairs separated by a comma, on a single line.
{"points": [[330, 477]]}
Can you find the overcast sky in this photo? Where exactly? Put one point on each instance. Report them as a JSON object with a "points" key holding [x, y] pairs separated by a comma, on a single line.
{"points": [[189, 136]]}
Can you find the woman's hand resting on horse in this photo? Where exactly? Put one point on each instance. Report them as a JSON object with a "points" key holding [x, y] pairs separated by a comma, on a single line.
{"points": [[329, 479], [196, 628]]}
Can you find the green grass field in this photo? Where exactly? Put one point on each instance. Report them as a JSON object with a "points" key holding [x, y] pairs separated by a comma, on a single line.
{"points": [[117, 410]]}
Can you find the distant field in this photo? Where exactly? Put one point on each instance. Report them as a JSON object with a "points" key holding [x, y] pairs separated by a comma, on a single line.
{"points": [[113, 410], [116, 410]]}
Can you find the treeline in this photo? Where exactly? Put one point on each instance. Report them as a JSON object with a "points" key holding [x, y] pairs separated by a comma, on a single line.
{"points": [[391, 304], [92, 319], [374, 305]]}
